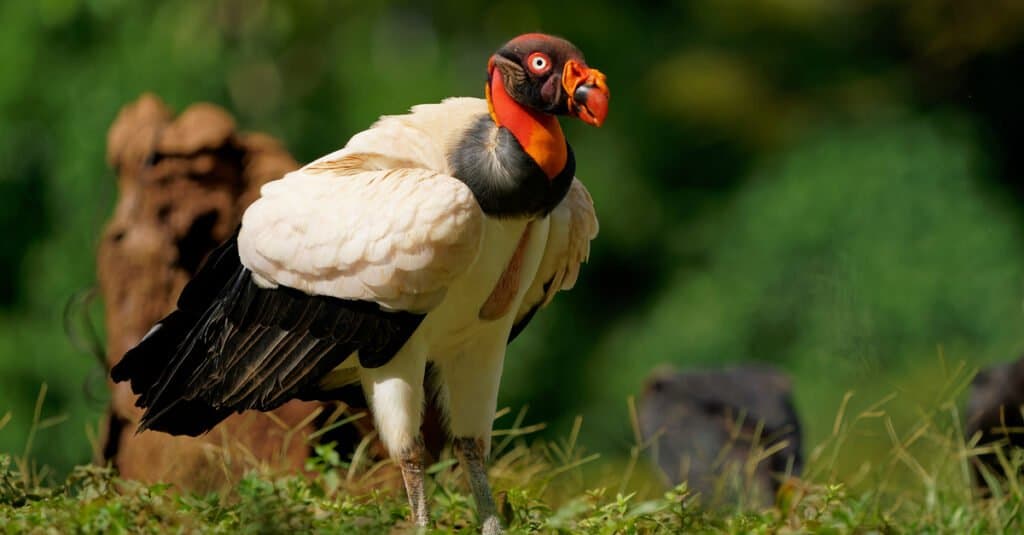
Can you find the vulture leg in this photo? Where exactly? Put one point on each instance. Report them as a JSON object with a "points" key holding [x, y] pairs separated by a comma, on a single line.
{"points": [[395, 393], [411, 462], [470, 452], [471, 395]]}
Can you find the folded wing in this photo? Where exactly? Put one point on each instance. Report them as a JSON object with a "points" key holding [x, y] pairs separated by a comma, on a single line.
{"points": [[573, 226], [345, 256], [360, 227]]}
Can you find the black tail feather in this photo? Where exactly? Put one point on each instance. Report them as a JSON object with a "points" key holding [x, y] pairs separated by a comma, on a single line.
{"points": [[190, 417], [150, 365], [140, 364]]}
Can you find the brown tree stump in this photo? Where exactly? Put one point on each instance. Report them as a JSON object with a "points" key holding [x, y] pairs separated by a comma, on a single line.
{"points": [[183, 185]]}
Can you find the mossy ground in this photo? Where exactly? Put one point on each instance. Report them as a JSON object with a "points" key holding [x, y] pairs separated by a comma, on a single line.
{"points": [[923, 486]]}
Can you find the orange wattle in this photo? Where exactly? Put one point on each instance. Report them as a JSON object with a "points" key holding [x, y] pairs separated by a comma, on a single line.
{"points": [[538, 133]]}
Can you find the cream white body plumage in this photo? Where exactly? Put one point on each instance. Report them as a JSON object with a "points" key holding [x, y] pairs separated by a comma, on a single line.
{"points": [[383, 220], [433, 236]]}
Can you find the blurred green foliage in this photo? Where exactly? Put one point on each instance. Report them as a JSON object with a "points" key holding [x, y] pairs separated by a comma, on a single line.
{"points": [[850, 261], [829, 186]]}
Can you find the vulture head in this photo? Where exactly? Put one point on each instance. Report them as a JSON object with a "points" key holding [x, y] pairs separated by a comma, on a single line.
{"points": [[546, 74]]}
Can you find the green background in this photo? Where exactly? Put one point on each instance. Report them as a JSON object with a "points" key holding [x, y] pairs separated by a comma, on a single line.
{"points": [[831, 187]]}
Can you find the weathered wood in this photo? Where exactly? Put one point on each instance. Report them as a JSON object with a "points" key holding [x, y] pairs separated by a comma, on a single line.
{"points": [[183, 186]]}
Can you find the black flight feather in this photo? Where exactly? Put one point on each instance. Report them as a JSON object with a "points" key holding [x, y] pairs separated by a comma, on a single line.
{"points": [[232, 345]]}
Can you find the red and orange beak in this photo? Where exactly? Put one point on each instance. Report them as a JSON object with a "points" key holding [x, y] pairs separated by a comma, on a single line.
{"points": [[588, 92]]}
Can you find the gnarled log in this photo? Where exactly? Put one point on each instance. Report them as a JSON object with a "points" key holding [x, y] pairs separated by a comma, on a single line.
{"points": [[183, 185]]}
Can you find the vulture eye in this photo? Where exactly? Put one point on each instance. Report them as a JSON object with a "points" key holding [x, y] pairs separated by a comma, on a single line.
{"points": [[539, 63]]}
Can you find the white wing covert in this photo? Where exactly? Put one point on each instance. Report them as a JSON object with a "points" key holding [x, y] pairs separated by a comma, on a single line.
{"points": [[363, 226], [573, 226]]}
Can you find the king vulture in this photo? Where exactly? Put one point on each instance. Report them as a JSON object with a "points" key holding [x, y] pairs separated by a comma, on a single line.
{"points": [[431, 237]]}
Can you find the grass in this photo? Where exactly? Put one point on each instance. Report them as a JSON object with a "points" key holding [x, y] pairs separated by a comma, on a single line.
{"points": [[922, 485]]}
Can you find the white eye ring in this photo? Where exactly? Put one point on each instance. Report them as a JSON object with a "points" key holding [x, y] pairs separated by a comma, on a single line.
{"points": [[539, 63]]}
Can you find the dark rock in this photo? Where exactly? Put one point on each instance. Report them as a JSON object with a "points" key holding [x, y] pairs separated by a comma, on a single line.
{"points": [[732, 434], [994, 417]]}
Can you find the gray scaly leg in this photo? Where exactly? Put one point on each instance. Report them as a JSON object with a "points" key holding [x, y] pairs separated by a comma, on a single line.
{"points": [[470, 452]]}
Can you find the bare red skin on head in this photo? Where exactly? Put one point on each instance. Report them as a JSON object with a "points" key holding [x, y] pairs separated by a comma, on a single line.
{"points": [[529, 37], [539, 133]]}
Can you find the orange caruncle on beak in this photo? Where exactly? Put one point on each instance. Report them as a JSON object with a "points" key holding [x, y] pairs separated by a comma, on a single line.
{"points": [[588, 92]]}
